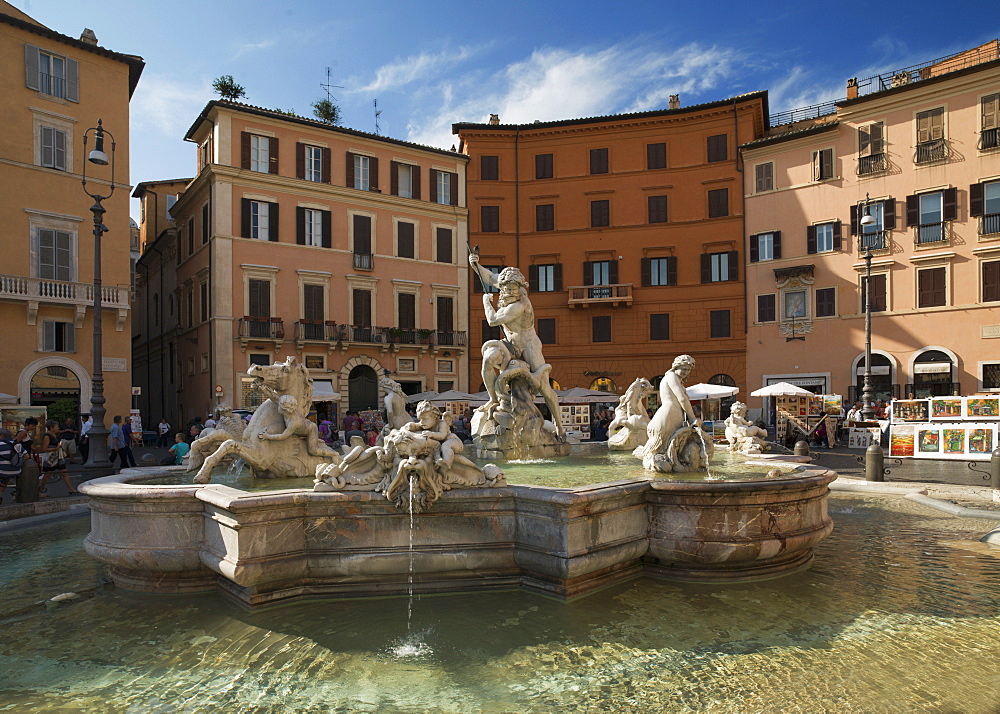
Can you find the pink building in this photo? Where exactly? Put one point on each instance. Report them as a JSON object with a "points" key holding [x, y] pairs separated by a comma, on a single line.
{"points": [[922, 144]]}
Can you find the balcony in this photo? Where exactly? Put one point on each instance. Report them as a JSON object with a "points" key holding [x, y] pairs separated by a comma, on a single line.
{"points": [[876, 241], [364, 261], [613, 295], [989, 224], [931, 152], [930, 233], [261, 328], [315, 331], [989, 139], [36, 291], [870, 165], [396, 337]]}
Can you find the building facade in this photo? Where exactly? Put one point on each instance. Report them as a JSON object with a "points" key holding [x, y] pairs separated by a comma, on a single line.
{"points": [[629, 228], [922, 145], [54, 87], [338, 247]]}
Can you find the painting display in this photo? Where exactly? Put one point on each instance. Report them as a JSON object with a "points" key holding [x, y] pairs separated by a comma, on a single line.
{"points": [[982, 407], [954, 441], [929, 441], [13, 418], [910, 410], [970, 433], [981, 440], [862, 437], [946, 408], [901, 441]]}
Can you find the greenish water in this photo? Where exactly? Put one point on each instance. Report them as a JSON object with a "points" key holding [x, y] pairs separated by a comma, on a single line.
{"points": [[579, 469], [899, 613]]}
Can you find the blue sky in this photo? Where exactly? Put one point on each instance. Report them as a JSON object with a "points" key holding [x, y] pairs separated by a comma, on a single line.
{"points": [[431, 64]]}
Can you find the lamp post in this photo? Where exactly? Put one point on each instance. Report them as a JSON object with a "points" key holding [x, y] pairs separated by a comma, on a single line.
{"points": [[97, 459], [867, 392]]}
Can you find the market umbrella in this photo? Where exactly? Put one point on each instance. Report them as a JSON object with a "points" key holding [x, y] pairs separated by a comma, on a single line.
{"points": [[781, 389], [420, 396], [7, 398], [582, 395], [710, 391], [452, 395]]}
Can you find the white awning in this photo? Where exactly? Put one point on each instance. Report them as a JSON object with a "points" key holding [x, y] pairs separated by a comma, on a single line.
{"points": [[323, 391]]}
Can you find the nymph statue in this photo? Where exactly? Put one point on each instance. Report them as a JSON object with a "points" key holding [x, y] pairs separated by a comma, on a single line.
{"points": [[742, 434], [628, 429]]}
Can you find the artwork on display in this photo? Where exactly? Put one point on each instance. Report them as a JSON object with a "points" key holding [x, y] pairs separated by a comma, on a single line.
{"points": [[981, 440], [901, 441], [946, 408], [863, 437], [909, 410], [13, 418], [371, 419], [954, 440], [832, 404], [456, 408], [982, 408], [929, 441]]}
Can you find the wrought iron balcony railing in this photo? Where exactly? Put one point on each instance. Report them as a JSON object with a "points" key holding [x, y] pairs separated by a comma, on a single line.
{"points": [[364, 261], [874, 164], [52, 85], [989, 224], [315, 331], [263, 328], [931, 151], [926, 233], [619, 293], [874, 241], [989, 139]]}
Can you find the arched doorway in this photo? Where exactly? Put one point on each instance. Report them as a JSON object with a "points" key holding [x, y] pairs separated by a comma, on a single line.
{"points": [[362, 388], [604, 384], [933, 375], [57, 388], [724, 380], [881, 379]]}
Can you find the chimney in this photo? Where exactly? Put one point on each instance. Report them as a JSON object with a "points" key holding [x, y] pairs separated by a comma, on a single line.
{"points": [[675, 101], [852, 88], [494, 119], [88, 36]]}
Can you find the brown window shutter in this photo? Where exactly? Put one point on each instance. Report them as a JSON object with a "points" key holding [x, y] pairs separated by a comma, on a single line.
{"points": [[877, 142], [434, 185], [272, 164], [613, 272], [244, 150], [734, 264], [557, 277], [588, 272], [672, 270], [977, 202], [811, 239], [394, 178], [950, 211], [454, 189], [826, 156], [912, 210], [991, 112], [300, 225], [300, 160], [864, 141], [706, 267], [991, 281], [325, 168], [533, 278], [415, 174], [777, 244], [373, 173], [889, 214], [272, 222], [854, 219], [350, 171], [923, 127], [937, 124], [754, 248], [836, 236], [644, 272], [362, 235], [327, 229], [245, 220]]}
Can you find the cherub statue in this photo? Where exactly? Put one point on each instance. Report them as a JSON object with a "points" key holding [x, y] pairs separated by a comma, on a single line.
{"points": [[298, 425], [742, 434]]}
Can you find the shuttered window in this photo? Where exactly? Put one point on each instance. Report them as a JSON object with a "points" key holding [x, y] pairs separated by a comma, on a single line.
{"points": [[598, 161], [404, 180], [313, 299], [406, 306], [312, 163], [55, 255], [765, 246], [443, 245], [51, 74], [930, 125], [719, 320], [545, 217], [489, 219], [870, 139], [404, 239], [260, 298], [362, 172], [445, 313], [718, 203], [444, 188], [260, 220], [766, 308], [600, 328], [659, 326], [58, 336], [930, 287], [657, 208], [877, 289], [489, 168], [362, 307], [763, 177], [545, 278], [659, 271], [822, 164], [718, 148], [826, 302], [206, 224], [991, 280], [656, 156], [543, 166], [53, 148], [600, 213], [362, 235], [719, 267], [990, 112], [547, 330]]}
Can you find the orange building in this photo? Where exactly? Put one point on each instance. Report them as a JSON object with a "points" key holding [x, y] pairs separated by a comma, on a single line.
{"points": [[53, 87], [342, 248], [629, 228]]}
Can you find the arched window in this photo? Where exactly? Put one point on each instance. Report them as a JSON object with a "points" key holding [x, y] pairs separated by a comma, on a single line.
{"points": [[604, 384], [932, 375], [552, 383], [881, 379], [724, 380]]}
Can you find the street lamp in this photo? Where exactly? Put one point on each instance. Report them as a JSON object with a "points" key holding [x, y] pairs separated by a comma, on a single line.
{"points": [[98, 434], [868, 410]]}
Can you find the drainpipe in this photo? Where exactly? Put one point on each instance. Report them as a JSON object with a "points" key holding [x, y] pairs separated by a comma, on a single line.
{"points": [[743, 223], [517, 199]]}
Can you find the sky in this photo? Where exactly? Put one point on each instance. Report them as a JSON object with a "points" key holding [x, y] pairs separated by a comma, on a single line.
{"points": [[429, 65]]}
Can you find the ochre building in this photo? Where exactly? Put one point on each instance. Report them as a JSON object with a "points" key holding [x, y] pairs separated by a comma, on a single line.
{"points": [[630, 229]]}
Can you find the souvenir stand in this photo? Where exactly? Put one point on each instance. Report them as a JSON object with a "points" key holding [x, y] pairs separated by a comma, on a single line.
{"points": [[804, 414], [371, 420], [576, 417], [456, 408], [945, 427]]}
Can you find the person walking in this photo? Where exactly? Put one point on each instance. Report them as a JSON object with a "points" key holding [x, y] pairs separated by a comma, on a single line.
{"points": [[116, 442], [85, 427], [54, 459], [127, 433], [163, 433]]}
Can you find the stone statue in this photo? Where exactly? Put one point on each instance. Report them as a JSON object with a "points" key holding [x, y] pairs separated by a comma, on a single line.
{"points": [[279, 441], [414, 464], [628, 429], [742, 434], [395, 404], [509, 425], [675, 440], [228, 426]]}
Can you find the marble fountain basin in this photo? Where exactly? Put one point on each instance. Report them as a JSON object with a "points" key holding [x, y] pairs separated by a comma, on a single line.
{"points": [[268, 547]]}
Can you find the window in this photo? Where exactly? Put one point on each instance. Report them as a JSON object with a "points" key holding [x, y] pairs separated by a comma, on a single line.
{"points": [[826, 302], [930, 136], [547, 330], [361, 307], [477, 284], [600, 272], [718, 203], [55, 254], [659, 326], [203, 301], [404, 239], [362, 172], [823, 238], [58, 336], [871, 149], [984, 203], [991, 376], [313, 313], [445, 385], [51, 74], [600, 326], [545, 217], [260, 153], [877, 234], [312, 227], [765, 246], [259, 359], [931, 287], [764, 177], [489, 168], [657, 206], [928, 213], [717, 148], [490, 219], [406, 180], [362, 234], [543, 166], [313, 156], [598, 161], [766, 308], [445, 318], [989, 136], [600, 213], [719, 267], [542, 278], [443, 188], [659, 271], [719, 320], [491, 332], [259, 292], [315, 362], [877, 288], [443, 245], [822, 164], [406, 308], [53, 148], [260, 220], [656, 156], [206, 224], [795, 304], [204, 154], [190, 235], [991, 280]]}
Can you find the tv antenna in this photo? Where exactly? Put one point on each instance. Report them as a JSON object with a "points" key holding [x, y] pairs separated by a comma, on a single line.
{"points": [[328, 86], [378, 113]]}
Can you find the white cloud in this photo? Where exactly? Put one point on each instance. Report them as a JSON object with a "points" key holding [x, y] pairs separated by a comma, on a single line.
{"points": [[167, 106], [253, 47], [423, 66]]}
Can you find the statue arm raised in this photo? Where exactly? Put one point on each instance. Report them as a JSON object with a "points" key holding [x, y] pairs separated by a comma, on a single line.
{"points": [[504, 315], [488, 276]]}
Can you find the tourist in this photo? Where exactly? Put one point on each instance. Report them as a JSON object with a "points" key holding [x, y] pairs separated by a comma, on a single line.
{"points": [[10, 460], [820, 436], [129, 437], [85, 427], [54, 461], [24, 435], [880, 409], [324, 431], [163, 431], [352, 422], [67, 435], [210, 423], [194, 431], [372, 437], [116, 441], [180, 449]]}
